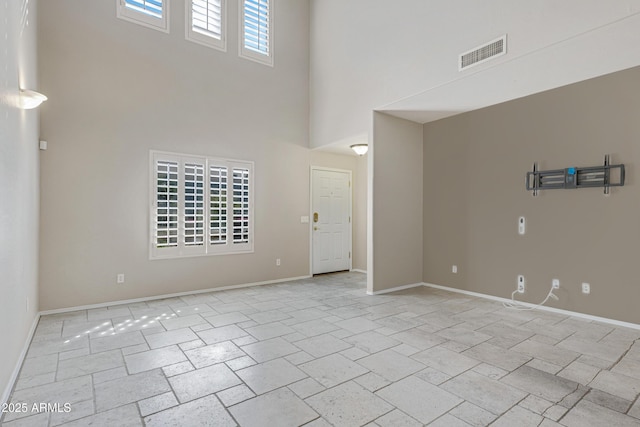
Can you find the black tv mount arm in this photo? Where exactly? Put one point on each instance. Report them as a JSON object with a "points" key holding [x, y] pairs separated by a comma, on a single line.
{"points": [[575, 177]]}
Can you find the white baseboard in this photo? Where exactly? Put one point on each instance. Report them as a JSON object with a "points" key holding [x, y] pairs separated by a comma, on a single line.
{"points": [[544, 308], [178, 294], [16, 370], [357, 270], [397, 288]]}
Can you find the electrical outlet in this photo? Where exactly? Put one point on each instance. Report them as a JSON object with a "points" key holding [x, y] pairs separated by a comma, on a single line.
{"points": [[454, 269], [520, 284], [586, 288], [555, 284], [120, 278], [278, 262]]}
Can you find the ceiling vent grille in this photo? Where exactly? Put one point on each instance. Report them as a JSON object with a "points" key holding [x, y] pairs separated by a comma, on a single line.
{"points": [[483, 53]]}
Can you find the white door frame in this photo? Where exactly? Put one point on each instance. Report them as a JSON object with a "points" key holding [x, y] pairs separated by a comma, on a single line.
{"points": [[322, 168]]}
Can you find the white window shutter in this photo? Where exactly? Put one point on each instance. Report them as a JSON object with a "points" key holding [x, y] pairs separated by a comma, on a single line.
{"points": [[165, 206], [193, 209], [256, 30], [150, 13], [206, 23], [241, 205], [218, 205], [149, 7], [200, 206]]}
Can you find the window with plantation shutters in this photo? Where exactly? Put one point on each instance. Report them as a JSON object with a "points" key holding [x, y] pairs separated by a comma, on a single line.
{"points": [[150, 13], [200, 206], [166, 211], [256, 30], [240, 205], [206, 23], [218, 205], [193, 204]]}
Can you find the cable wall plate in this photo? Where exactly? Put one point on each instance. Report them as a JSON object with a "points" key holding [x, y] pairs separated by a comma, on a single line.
{"points": [[604, 176]]}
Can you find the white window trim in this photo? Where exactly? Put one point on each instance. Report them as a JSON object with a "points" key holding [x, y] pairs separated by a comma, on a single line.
{"points": [[203, 39], [141, 18], [207, 250], [247, 53]]}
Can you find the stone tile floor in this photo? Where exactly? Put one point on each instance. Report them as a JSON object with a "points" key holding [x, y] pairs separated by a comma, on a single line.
{"points": [[320, 352]]}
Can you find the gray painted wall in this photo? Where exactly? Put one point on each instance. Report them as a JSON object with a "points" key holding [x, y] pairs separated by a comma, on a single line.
{"points": [[397, 202], [474, 170], [18, 186], [116, 91]]}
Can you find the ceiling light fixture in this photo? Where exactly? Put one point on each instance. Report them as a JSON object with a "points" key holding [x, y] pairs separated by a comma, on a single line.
{"points": [[30, 99], [360, 149]]}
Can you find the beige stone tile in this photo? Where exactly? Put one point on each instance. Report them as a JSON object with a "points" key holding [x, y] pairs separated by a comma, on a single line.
{"points": [[191, 414], [154, 359], [215, 353], [124, 416], [518, 416], [280, 407], [332, 370], [391, 365], [271, 375], [472, 414], [121, 391], [617, 384], [540, 383], [157, 403], [588, 414], [202, 382], [348, 405], [410, 394], [90, 364], [490, 395], [444, 360]]}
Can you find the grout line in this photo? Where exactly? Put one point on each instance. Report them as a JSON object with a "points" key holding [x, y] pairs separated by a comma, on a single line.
{"points": [[576, 402], [635, 401], [623, 354]]}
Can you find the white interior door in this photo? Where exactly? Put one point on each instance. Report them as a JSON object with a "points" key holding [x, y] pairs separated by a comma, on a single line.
{"points": [[331, 221]]}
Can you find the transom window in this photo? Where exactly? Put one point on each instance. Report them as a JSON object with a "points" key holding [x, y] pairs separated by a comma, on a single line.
{"points": [[200, 206], [150, 13], [206, 23], [256, 30]]}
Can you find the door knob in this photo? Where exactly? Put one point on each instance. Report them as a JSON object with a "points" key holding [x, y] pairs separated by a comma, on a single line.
{"points": [[315, 217], [315, 228]]}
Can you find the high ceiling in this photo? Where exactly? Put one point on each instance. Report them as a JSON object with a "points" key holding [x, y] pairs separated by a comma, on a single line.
{"points": [[600, 51], [401, 57]]}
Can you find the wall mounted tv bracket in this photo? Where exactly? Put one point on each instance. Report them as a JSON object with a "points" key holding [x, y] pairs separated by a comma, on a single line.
{"points": [[605, 176]]}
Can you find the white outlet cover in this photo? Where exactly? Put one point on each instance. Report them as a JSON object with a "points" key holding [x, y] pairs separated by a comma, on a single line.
{"points": [[555, 284], [586, 288], [304, 219], [454, 268]]}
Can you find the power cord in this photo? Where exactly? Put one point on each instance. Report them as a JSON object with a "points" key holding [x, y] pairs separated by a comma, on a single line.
{"points": [[517, 305]]}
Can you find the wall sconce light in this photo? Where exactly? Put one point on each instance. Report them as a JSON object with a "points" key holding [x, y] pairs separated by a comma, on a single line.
{"points": [[360, 149], [30, 99]]}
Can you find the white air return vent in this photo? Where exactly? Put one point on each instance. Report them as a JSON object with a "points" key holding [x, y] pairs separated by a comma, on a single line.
{"points": [[483, 53]]}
